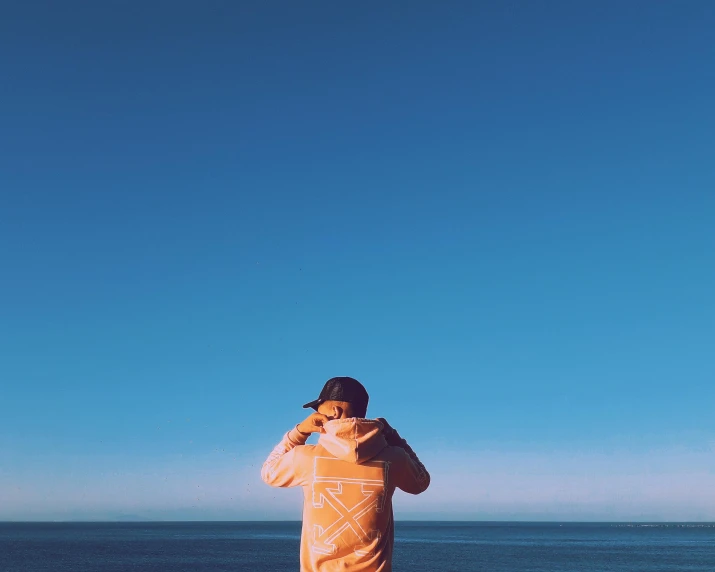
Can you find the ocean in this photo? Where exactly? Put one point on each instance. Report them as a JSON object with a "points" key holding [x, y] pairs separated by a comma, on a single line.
{"points": [[419, 546]]}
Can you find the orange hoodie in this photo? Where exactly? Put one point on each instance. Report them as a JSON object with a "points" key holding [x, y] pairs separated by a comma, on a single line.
{"points": [[348, 480]]}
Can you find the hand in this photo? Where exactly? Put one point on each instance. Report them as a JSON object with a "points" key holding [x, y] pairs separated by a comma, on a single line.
{"points": [[388, 430], [314, 423]]}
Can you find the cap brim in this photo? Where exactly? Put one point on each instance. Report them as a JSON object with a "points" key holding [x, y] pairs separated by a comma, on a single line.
{"points": [[314, 404]]}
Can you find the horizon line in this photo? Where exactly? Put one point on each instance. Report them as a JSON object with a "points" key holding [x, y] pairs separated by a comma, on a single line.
{"points": [[157, 521]]}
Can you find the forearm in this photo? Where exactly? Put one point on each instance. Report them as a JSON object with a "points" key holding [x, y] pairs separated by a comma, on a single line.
{"points": [[277, 470], [395, 440]]}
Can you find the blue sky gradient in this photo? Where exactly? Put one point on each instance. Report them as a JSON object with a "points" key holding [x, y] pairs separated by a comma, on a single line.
{"points": [[500, 217]]}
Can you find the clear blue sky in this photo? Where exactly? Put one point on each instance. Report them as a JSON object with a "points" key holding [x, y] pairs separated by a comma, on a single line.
{"points": [[500, 217]]}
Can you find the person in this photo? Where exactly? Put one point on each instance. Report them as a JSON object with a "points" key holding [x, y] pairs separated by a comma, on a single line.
{"points": [[348, 480]]}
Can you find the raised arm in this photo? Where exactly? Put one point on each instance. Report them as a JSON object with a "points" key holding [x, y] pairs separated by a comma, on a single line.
{"points": [[280, 470], [411, 475]]}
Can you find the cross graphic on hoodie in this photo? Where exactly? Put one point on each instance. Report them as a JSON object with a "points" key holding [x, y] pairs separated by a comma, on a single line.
{"points": [[331, 489]]}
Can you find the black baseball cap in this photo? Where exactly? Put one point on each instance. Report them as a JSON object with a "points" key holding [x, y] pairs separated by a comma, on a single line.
{"points": [[341, 389]]}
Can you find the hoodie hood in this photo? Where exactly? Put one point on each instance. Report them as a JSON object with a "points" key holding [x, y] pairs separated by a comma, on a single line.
{"points": [[354, 440]]}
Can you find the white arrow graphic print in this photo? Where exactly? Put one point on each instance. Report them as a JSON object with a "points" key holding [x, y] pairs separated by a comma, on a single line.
{"points": [[349, 505]]}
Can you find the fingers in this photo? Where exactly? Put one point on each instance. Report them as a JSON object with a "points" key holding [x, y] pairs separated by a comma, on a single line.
{"points": [[314, 423], [318, 420]]}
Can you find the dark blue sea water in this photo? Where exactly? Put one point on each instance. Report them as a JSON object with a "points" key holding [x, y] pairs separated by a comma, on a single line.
{"points": [[419, 546]]}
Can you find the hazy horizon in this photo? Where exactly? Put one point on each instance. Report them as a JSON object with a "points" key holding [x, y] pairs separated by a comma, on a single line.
{"points": [[138, 520]]}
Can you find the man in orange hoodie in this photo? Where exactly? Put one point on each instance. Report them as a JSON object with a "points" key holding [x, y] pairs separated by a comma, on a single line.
{"points": [[348, 480]]}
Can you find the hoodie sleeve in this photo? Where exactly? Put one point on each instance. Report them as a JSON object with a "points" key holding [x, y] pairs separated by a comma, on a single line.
{"points": [[410, 474], [281, 468]]}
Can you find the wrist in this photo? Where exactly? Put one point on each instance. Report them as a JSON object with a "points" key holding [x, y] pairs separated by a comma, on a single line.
{"points": [[297, 437]]}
